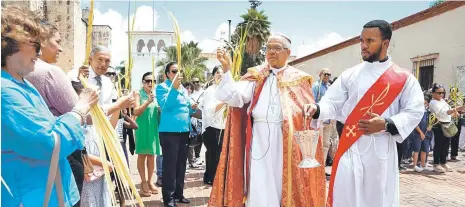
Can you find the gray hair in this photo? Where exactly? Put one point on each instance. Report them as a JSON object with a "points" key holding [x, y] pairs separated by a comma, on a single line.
{"points": [[99, 48], [284, 40]]}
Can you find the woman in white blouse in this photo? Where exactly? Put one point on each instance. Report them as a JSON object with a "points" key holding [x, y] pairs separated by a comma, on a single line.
{"points": [[213, 126], [444, 114]]}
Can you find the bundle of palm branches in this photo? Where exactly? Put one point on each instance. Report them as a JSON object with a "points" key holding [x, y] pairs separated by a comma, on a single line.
{"points": [[109, 143]]}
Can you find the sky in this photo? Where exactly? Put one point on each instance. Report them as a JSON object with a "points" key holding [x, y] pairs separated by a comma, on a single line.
{"points": [[311, 25]]}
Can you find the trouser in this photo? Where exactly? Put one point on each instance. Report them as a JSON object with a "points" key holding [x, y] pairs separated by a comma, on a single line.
{"points": [[198, 148], [334, 140], [213, 140], [77, 167], [174, 147], [462, 138], [400, 152], [190, 155], [326, 130], [408, 147], [454, 143], [441, 146], [159, 166]]}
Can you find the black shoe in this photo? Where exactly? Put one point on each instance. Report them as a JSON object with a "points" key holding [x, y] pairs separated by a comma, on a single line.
{"points": [[328, 175], [208, 182], [159, 183], [182, 200]]}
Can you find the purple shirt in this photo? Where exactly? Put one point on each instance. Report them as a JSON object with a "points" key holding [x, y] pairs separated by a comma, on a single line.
{"points": [[54, 86]]}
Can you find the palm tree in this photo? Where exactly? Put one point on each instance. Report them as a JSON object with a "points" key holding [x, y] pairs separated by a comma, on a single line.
{"points": [[435, 3], [192, 63], [258, 30]]}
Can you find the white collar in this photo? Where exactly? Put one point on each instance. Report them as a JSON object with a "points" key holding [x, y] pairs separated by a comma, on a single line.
{"points": [[92, 73], [276, 70], [378, 64]]}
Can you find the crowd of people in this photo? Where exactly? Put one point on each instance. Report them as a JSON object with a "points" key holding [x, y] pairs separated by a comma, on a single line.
{"points": [[45, 117], [43, 106], [439, 131]]}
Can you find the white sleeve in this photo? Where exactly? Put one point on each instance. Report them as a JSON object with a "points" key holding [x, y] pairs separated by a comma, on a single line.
{"points": [[411, 109], [333, 100], [233, 93]]}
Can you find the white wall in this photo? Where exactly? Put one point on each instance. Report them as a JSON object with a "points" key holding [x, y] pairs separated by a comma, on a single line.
{"points": [[443, 34], [143, 60]]}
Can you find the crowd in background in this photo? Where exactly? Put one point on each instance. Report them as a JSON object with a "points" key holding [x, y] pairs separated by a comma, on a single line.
{"points": [[161, 122]]}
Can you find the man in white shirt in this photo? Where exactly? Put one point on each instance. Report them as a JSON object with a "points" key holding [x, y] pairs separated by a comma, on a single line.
{"points": [[99, 62], [213, 120]]}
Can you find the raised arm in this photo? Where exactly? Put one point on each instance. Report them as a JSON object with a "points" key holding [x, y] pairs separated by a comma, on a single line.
{"points": [[233, 93]]}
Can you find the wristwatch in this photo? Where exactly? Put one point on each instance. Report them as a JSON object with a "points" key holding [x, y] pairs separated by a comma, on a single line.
{"points": [[386, 123]]}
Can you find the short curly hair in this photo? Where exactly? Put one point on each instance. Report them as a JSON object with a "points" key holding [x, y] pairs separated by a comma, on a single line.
{"points": [[19, 25]]}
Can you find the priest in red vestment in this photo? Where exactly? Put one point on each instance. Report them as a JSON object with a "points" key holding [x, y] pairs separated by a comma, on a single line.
{"points": [[260, 156]]}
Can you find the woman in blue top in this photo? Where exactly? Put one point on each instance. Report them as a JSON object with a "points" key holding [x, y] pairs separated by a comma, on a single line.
{"points": [[176, 110], [28, 127]]}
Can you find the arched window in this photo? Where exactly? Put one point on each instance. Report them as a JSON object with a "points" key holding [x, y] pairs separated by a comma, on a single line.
{"points": [[140, 45], [150, 45], [160, 45]]}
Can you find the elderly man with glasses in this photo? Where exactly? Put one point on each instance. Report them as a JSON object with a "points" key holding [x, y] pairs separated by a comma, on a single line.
{"points": [[263, 152]]}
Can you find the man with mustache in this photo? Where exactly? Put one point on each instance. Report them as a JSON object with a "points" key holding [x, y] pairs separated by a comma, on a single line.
{"points": [[379, 104]]}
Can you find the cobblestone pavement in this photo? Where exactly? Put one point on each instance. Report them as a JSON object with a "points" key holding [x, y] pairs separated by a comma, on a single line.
{"points": [[416, 189]]}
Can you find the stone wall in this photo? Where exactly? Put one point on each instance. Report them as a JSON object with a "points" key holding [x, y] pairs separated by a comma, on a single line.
{"points": [[66, 16], [101, 35]]}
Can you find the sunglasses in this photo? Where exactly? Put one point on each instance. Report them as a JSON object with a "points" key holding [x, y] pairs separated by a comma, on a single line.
{"points": [[328, 74], [148, 81], [174, 71], [196, 82], [36, 46], [110, 74]]}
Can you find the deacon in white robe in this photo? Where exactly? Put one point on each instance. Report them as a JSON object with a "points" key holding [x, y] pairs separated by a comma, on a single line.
{"points": [[368, 174]]}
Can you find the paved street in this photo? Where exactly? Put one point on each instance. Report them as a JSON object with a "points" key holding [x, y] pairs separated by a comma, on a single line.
{"points": [[417, 189]]}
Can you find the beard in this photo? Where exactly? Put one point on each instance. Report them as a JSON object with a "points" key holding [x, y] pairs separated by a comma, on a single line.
{"points": [[373, 57]]}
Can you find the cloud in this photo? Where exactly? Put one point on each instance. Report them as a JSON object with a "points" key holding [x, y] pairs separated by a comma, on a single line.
{"points": [[187, 36], [119, 26], [210, 44], [323, 42]]}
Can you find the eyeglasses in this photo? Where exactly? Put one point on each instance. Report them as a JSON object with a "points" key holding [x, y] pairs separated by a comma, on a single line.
{"points": [[174, 71], [147, 81], [327, 74], [274, 49], [36, 46], [110, 74], [440, 93]]}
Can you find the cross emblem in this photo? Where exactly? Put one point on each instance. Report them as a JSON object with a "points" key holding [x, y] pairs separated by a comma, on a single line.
{"points": [[351, 131]]}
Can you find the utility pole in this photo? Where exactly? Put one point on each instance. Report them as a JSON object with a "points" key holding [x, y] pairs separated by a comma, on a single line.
{"points": [[229, 35]]}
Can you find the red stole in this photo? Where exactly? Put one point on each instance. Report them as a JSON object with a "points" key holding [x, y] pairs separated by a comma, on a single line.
{"points": [[376, 100]]}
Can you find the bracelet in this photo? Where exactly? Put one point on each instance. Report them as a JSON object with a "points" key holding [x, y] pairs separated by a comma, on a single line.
{"points": [[83, 117]]}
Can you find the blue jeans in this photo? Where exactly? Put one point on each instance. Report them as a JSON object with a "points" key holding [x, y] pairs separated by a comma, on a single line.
{"points": [[159, 165]]}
